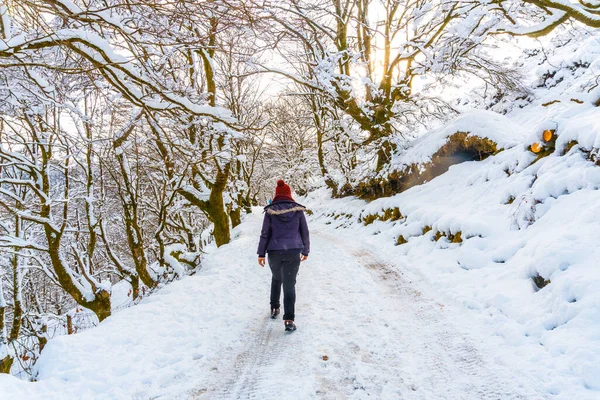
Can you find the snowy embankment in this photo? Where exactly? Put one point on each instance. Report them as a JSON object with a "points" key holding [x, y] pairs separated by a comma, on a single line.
{"points": [[513, 238]]}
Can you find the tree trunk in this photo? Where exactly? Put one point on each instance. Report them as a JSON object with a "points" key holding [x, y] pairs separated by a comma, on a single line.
{"points": [[135, 287], [6, 364], [236, 216], [218, 216], [236, 211], [42, 340], [321, 156], [100, 305], [7, 361], [135, 239], [130, 275], [16, 327], [139, 257], [384, 154], [221, 231], [248, 202], [70, 330], [214, 209], [15, 331]]}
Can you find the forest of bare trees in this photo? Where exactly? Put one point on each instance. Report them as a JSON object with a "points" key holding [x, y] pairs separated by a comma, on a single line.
{"points": [[132, 133]]}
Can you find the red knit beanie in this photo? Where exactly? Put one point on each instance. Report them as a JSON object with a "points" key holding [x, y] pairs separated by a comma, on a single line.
{"points": [[282, 191]]}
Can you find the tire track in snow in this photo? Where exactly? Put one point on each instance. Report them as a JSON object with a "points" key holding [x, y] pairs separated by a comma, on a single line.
{"points": [[247, 378], [262, 370]]}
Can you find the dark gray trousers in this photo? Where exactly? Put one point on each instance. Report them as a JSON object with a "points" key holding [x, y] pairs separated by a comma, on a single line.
{"points": [[285, 269]]}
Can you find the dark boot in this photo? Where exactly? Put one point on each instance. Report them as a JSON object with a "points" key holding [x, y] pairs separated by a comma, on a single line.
{"points": [[289, 326], [274, 313]]}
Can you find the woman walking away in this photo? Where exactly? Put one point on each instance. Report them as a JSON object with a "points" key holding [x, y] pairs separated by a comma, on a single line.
{"points": [[284, 236]]}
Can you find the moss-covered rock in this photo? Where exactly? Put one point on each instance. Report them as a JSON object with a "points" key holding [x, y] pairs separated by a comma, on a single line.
{"points": [[594, 156], [6, 364], [539, 281], [389, 214], [392, 214], [459, 148], [452, 237], [456, 237], [369, 219], [570, 145]]}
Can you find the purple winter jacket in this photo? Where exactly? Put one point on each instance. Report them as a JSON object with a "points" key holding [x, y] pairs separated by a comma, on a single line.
{"points": [[284, 229]]}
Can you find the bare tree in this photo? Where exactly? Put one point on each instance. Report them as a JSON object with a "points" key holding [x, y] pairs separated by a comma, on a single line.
{"points": [[290, 150], [364, 56], [158, 57], [44, 154], [539, 17]]}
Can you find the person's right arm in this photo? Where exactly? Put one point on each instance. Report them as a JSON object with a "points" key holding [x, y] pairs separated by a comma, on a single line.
{"points": [[265, 235], [305, 235]]}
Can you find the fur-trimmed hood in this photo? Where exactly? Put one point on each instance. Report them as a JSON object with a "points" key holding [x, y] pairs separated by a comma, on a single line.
{"points": [[284, 209]]}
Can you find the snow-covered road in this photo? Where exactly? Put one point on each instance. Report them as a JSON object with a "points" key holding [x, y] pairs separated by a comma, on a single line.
{"points": [[365, 330]]}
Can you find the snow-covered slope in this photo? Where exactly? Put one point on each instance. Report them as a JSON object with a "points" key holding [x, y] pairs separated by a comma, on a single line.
{"points": [[514, 238], [485, 232]]}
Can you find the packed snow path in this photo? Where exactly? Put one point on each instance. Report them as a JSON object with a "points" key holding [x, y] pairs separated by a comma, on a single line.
{"points": [[365, 330]]}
